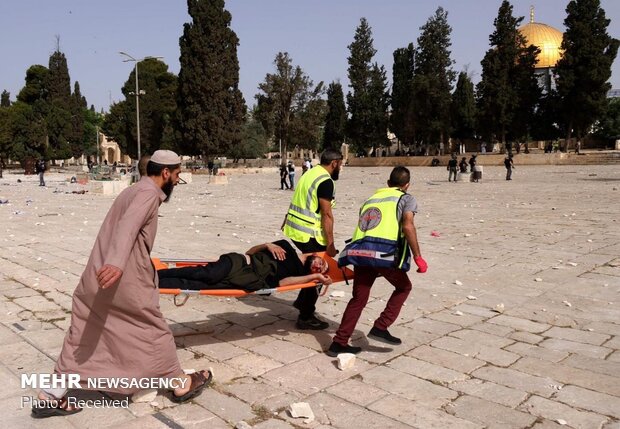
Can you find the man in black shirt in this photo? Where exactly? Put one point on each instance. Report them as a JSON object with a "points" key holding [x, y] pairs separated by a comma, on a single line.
{"points": [[452, 165], [263, 266]]}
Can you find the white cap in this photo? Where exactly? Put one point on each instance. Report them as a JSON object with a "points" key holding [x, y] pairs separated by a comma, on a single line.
{"points": [[165, 157]]}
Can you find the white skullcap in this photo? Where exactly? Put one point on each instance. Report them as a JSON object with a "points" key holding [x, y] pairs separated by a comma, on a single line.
{"points": [[165, 157]]}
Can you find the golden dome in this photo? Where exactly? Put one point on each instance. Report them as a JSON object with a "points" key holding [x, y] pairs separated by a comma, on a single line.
{"points": [[546, 38]]}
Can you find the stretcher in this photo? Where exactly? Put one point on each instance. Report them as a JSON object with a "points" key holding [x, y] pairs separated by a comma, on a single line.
{"points": [[336, 273]]}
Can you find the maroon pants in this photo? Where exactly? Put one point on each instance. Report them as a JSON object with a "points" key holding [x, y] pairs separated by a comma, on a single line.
{"points": [[364, 278]]}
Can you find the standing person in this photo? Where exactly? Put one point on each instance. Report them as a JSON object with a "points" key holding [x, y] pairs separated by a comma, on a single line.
{"points": [[283, 175], [452, 166], [463, 165], [117, 329], [472, 166], [291, 174], [40, 168], [309, 223], [508, 162], [381, 246]]}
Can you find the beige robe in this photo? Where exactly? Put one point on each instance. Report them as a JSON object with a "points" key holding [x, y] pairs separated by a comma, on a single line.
{"points": [[120, 331]]}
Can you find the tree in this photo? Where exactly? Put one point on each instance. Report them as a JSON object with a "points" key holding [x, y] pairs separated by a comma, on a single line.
{"points": [[585, 65], [78, 112], [211, 107], [6, 141], [254, 141], [433, 79], [28, 132], [463, 110], [157, 107], [608, 127], [5, 99], [507, 75], [402, 122], [335, 118], [289, 105], [59, 120], [365, 80]]}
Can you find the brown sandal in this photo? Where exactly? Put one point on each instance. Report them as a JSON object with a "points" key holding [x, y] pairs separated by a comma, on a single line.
{"points": [[198, 383], [52, 407]]}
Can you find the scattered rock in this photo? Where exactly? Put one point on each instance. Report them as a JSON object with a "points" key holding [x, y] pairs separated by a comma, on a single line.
{"points": [[458, 283], [346, 361], [301, 410], [572, 264], [538, 279], [471, 297], [144, 395], [561, 422], [458, 313], [499, 308], [243, 425], [466, 235], [566, 303], [337, 294]]}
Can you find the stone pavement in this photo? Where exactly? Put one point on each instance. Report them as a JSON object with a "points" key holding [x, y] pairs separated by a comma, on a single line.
{"points": [[545, 247]]}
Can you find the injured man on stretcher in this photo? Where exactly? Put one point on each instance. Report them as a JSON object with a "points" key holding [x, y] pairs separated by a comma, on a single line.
{"points": [[263, 266]]}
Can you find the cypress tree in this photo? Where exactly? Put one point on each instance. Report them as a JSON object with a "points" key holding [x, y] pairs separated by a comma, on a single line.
{"points": [[5, 99], [463, 108], [336, 118], [59, 82], [402, 122], [433, 79], [585, 66], [78, 106], [211, 107], [379, 101], [59, 127]]}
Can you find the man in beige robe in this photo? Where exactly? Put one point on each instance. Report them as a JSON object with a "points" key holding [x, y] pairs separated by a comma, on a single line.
{"points": [[117, 328]]}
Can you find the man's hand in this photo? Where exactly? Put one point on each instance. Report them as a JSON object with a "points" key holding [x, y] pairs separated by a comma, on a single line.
{"points": [[421, 263], [331, 250], [277, 252], [108, 275], [325, 279]]}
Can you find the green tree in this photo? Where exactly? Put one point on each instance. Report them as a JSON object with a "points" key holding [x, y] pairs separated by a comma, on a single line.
{"points": [[78, 112], [402, 121], [93, 122], [608, 126], [335, 118], [367, 101], [211, 107], [28, 132], [433, 79], [157, 107], [463, 110], [35, 91], [289, 105], [254, 142], [6, 141], [585, 66], [59, 120], [505, 88], [5, 99]]}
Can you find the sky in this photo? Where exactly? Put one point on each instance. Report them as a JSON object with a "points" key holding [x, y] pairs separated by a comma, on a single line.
{"points": [[315, 33]]}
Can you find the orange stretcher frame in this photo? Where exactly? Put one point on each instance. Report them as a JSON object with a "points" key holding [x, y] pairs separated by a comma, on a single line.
{"points": [[337, 274]]}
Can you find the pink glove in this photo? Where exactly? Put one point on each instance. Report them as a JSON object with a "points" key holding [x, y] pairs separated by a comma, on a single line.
{"points": [[421, 263]]}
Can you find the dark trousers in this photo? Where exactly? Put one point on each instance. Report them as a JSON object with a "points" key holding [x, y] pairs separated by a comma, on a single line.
{"points": [[364, 277], [196, 278], [41, 179], [307, 298], [452, 173], [508, 173], [283, 182]]}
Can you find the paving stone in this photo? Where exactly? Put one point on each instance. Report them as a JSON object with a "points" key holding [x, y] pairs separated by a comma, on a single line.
{"points": [[489, 414], [577, 335], [225, 407], [283, 351], [446, 358], [537, 352], [428, 371], [419, 416], [518, 380], [520, 324], [433, 326], [601, 327], [589, 400], [253, 365], [496, 356], [553, 410], [463, 320], [614, 343], [363, 395], [573, 347], [597, 365], [569, 375], [481, 338], [192, 416], [526, 337], [273, 424], [407, 385], [489, 328], [490, 391]]}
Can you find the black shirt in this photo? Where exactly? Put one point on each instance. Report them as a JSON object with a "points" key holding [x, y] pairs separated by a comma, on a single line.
{"points": [[452, 163], [325, 190], [291, 266]]}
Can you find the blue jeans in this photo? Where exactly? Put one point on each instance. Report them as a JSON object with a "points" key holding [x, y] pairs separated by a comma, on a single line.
{"points": [[291, 177]]}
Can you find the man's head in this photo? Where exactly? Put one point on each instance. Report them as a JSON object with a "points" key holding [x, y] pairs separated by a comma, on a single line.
{"points": [[331, 160], [316, 265], [142, 164], [164, 168], [399, 178]]}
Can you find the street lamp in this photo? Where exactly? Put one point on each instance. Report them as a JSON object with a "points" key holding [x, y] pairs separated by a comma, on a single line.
{"points": [[137, 93]]}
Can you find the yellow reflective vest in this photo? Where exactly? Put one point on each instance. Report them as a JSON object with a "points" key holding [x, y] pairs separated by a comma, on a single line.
{"points": [[302, 220], [378, 240]]}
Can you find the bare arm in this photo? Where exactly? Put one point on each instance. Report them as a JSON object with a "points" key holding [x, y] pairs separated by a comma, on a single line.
{"points": [[410, 233], [327, 222], [295, 280], [277, 252]]}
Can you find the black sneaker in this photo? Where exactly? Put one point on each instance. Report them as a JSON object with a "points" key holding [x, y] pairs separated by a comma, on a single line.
{"points": [[313, 323], [335, 349], [384, 336]]}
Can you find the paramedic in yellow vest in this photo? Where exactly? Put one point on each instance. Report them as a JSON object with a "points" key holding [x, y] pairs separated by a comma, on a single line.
{"points": [[381, 246], [309, 223]]}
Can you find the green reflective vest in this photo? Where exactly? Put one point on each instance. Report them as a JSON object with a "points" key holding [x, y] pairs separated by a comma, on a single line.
{"points": [[302, 220], [378, 240]]}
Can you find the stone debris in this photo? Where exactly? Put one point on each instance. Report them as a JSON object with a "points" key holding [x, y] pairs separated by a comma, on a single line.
{"points": [[458, 283], [499, 308], [566, 303], [458, 313], [471, 297], [243, 425], [561, 422], [538, 279], [466, 235], [144, 395], [301, 410], [337, 294], [346, 361], [572, 264]]}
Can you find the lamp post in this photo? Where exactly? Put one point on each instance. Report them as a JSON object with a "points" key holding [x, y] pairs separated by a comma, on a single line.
{"points": [[137, 93]]}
